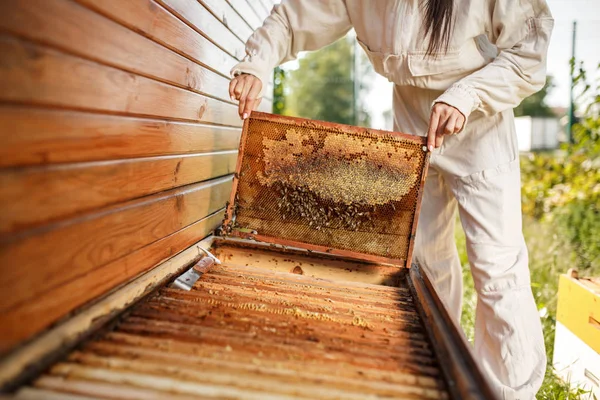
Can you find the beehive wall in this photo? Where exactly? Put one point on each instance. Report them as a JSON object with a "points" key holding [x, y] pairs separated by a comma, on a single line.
{"points": [[118, 141]]}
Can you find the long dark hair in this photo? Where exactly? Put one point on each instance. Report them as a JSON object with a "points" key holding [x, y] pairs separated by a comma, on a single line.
{"points": [[438, 22]]}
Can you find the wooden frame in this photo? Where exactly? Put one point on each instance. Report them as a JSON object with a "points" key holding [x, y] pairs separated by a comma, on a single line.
{"points": [[464, 378], [302, 122]]}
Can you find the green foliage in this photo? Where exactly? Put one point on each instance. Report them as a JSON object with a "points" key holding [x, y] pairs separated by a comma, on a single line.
{"points": [[535, 105], [555, 389], [323, 86], [563, 188], [279, 80]]}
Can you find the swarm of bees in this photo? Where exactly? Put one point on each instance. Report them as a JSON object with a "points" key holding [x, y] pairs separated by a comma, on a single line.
{"points": [[228, 222], [301, 203]]}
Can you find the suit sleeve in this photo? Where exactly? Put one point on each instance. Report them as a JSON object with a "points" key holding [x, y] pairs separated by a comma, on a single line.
{"points": [[292, 27], [521, 31]]}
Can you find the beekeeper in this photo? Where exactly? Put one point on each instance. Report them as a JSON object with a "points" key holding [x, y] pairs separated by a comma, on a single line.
{"points": [[459, 67]]}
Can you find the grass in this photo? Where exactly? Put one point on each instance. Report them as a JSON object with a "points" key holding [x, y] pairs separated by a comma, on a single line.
{"points": [[548, 258]]}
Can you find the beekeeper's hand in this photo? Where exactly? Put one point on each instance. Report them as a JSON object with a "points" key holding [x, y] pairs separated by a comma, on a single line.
{"points": [[444, 120], [245, 88]]}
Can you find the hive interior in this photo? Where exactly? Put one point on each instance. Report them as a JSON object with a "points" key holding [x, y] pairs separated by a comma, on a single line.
{"points": [[264, 325]]}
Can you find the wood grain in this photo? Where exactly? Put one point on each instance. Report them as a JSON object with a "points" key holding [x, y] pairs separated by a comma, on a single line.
{"points": [[258, 8], [37, 195], [198, 17], [111, 112], [63, 299], [29, 360], [32, 74], [227, 15], [155, 22], [40, 136], [87, 34], [59, 253], [246, 12], [267, 5]]}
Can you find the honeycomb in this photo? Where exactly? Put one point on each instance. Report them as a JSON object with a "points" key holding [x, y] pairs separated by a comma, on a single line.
{"points": [[329, 185]]}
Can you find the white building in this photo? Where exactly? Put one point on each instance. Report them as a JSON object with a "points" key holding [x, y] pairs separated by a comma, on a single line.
{"points": [[537, 133]]}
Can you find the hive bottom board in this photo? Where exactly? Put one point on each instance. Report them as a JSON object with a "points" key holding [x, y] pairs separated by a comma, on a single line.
{"points": [[254, 328]]}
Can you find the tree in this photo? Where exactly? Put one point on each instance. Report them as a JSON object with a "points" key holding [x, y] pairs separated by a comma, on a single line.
{"points": [[535, 105], [322, 87], [279, 79]]}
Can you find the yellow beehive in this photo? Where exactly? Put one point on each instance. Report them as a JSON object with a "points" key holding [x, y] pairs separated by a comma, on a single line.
{"points": [[577, 341]]}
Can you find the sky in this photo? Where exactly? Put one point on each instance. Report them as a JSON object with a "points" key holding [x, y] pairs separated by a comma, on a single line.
{"points": [[587, 15]]}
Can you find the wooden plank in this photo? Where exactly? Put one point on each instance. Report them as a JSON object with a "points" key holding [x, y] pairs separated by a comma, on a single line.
{"points": [[163, 383], [227, 15], [37, 195], [41, 394], [463, 377], [82, 32], [58, 253], [33, 74], [196, 16], [40, 136], [61, 300], [153, 21], [102, 390], [259, 9], [30, 359], [267, 5], [243, 9]]}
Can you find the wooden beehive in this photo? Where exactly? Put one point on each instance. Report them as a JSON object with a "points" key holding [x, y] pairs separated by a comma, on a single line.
{"points": [[119, 145], [577, 338]]}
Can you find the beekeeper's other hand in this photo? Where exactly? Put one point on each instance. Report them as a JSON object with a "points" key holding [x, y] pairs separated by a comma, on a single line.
{"points": [[444, 120], [245, 88]]}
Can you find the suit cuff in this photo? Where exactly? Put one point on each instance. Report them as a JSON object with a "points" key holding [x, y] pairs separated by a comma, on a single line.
{"points": [[254, 66], [461, 97]]}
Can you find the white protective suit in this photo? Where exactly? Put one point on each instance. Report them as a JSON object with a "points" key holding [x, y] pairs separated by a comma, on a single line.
{"points": [[496, 58]]}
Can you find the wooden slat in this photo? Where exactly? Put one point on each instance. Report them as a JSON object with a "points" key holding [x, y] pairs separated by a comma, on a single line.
{"points": [[223, 11], [259, 8], [60, 300], [268, 6], [58, 253], [195, 15], [247, 14], [100, 389], [41, 394], [34, 357], [33, 74], [77, 30], [153, 21], [40, 136], [36, 195], [170, 31]]}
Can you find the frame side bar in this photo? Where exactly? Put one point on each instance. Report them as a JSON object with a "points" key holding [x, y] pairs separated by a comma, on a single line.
{"points": [[463, 376]]}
